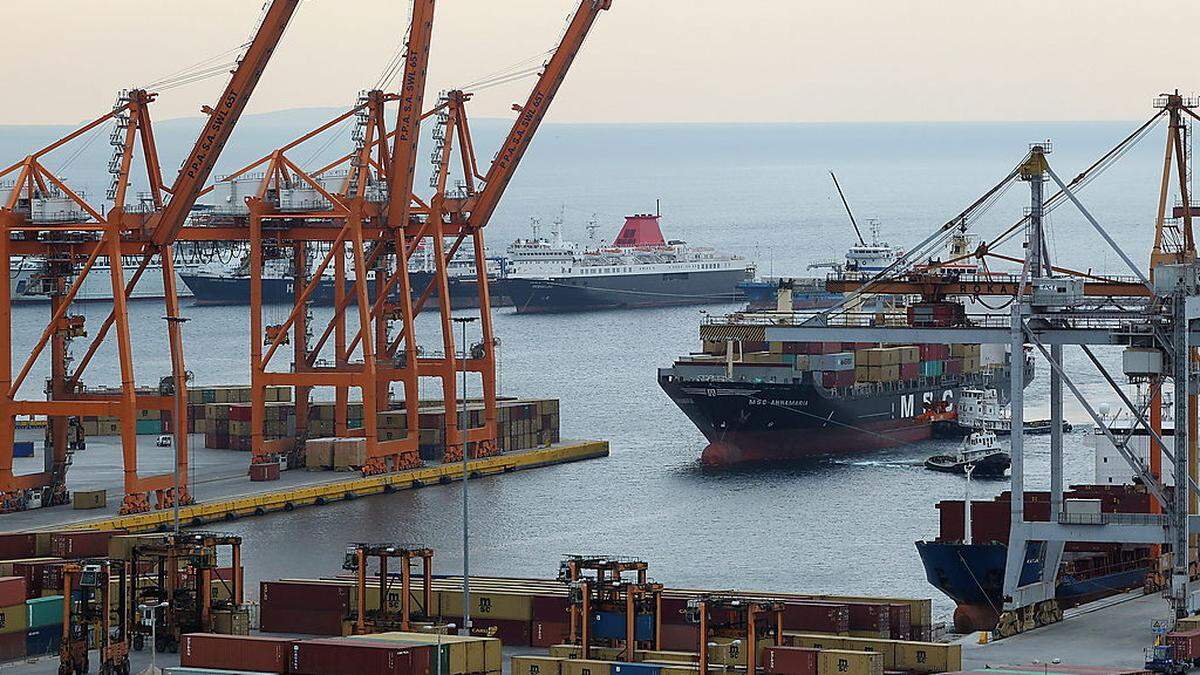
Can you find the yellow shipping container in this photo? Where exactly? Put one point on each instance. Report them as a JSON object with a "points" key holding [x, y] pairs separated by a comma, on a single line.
{"points": [[928, 657], [13, 619], [489, 605], [574, 652], [668, 656], [844, 662], [581, 667], [813, 640], [885, 648], [535, 665]]}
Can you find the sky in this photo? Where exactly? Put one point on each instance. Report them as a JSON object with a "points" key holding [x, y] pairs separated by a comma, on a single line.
{"points": [[646, 60]]}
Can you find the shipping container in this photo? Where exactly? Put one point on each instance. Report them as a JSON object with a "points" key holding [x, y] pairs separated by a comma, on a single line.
{"points": [[535, 665], [844, 662], [488, 605], [17, 545], [43, 641], [635, 669], [13, 645], [790, 660], [355, 657], [13, 619], [12, 591], [612, 626], [586, 667], [313, 596], [546, 633], [264, 471], [43, 612], [262, 654], [818, 617], [83, 544], [928, 657], [89, 499]]}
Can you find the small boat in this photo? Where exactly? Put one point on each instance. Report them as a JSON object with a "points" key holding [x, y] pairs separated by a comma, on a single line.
{"points": [[980, 451], [980, 409]]}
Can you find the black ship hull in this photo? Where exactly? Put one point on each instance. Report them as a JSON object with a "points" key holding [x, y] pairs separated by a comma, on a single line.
{"points": [[235, 290], [619, 291], [763, 420]]}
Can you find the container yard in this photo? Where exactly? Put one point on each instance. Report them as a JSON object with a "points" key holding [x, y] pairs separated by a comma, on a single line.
{"points": [[248, 408]]}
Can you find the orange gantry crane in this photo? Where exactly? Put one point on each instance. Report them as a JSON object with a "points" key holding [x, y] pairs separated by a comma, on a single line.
{"points": [[368, 216], [44, 218]]}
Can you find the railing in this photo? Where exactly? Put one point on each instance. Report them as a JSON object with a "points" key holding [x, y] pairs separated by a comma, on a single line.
{"points": [[1111, 519]]}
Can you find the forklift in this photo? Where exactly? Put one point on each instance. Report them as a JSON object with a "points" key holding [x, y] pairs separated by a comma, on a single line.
{"points": [[177, 573], [93, 617]]}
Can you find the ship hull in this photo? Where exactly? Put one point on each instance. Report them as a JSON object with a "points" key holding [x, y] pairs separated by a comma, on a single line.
{"points": [[226, 290], [972, 575], [762, 420], [574, 294], [97, 286]]}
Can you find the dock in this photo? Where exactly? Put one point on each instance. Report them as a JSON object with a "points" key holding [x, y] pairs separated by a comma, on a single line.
{"points": [[224, 492]]}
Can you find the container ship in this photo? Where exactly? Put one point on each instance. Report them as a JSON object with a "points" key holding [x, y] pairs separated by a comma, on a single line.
{"points": [[972, 573], [639, 269], [788, 400], [220, 283]]}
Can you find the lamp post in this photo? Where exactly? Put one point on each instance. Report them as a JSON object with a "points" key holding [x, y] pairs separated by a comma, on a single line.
{"points": [[463, 426], [438, 653], [153, 610]]}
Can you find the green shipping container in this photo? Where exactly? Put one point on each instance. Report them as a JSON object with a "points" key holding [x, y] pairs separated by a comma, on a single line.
{"points": [[148, 427], [45, 611], [931, 368]]}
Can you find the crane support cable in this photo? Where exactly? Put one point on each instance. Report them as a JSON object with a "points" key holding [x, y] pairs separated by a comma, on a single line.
{"points": [[1086, 176]]}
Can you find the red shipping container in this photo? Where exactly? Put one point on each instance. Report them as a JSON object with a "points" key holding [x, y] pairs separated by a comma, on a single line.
{"points": [[817, 617], [900, 621], [264, 471], [790, 660], [547, 633], [910, 371], [355, 657], [240, 412], [953, 366], [12, 591], [80, 544], [301, 621], [550, 608], [680, 637], [12, 646], [35, 576], [511, 632], [235, 652], [869, 617], [305, 596], [672, 611], [17, 545], [1186, 644]]}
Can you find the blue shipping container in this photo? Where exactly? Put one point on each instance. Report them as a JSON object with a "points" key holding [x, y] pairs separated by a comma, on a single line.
{"points": [[611, 625], [635, 669], [45, 640], [23, 449]]}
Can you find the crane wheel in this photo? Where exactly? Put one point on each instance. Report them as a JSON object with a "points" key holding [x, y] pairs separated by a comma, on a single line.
{"points": [[139, 643]]}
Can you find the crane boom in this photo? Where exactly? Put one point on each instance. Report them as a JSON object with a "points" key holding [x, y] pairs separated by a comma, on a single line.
{"points": [[531, 114], [165, 225], [408, 119]]}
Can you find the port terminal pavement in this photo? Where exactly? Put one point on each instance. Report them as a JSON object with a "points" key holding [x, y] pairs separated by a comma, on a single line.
{"points": [[1105, 634], [223, 490]]}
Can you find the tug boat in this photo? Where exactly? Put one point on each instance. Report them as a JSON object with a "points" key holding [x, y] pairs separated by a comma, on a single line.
{"points": [[980, 452]]}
